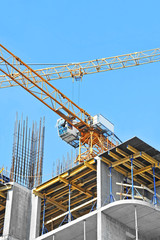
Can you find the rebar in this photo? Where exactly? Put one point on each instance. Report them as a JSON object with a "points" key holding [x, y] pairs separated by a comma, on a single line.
{"points": [[27, 154]]}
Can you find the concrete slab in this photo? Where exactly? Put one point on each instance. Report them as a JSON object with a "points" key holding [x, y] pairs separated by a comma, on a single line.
{"points": [[148, 216], [75, 229]]}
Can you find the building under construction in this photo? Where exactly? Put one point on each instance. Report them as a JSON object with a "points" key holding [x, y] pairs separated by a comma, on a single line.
{"points": [[112, 196], [111, 192]]}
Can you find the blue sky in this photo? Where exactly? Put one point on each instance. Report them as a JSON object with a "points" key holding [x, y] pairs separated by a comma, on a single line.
{"points": [[73, 31]]}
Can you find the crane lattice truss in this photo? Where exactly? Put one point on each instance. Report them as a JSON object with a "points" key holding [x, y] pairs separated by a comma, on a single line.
{"points": [[91, 141], [78, 70], [39, 87], [16, 73]]}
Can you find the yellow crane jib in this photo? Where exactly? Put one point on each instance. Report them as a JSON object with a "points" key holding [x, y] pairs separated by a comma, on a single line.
{"points": [[78, 70], [93, 135]]}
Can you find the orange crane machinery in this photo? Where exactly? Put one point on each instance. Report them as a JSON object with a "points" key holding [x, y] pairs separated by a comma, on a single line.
{"points": [[93, 135]]}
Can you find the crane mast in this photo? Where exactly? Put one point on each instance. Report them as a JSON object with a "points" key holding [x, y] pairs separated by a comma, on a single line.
{"points": [[91, 137]]}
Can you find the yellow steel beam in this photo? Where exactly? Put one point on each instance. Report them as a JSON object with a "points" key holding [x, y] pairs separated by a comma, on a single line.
{"points": [[116, 157], [73, 196], [121, 152], [90, 166], [132, 149], [76, 186], [140, 165], [126, 159], [144, 155], [3, 195], [105, 160], [80, 175], [141, 170], [53, 202], [64, 175], [122, 171], [118, 169], [74, 209], [3, 189], [72, 179], [2, 204], [152, 185], [148, 158], [113, 155]]}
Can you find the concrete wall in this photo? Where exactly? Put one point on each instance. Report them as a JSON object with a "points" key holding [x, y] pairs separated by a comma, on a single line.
{"points": [[112, 229], [35, 216], [20, 206], [17, 214]]}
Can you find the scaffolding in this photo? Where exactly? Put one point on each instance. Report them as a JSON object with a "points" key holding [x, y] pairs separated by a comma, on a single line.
{"points": [[73, 193]]}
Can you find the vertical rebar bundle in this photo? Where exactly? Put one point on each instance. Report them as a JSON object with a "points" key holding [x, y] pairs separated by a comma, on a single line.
{"points": [[64, 164], [27, 155]]}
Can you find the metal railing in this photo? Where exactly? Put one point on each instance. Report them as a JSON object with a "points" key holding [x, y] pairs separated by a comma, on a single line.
{"points": [[140, 192]]}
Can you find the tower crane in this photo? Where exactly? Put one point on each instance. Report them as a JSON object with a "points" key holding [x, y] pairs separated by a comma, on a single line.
{"points": [[92, 135]]}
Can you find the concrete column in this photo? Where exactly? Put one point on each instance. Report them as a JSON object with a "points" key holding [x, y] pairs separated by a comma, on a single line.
{"points": [[99, 201], [84, 222], [136, 223], [103, 193], [98, 182], [17, 214], [35, 216], [102, 182]]}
